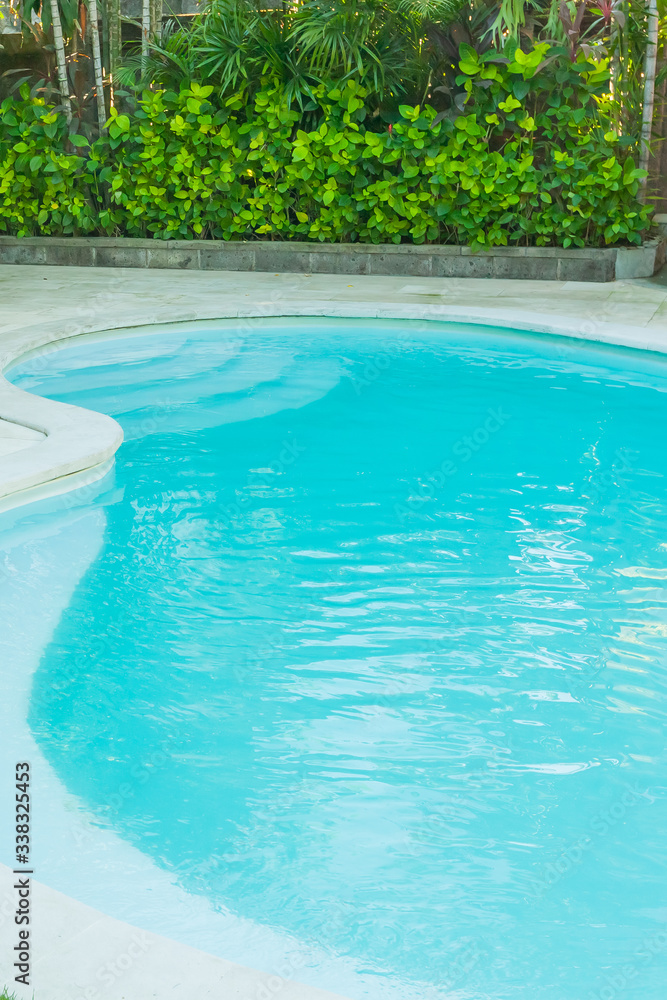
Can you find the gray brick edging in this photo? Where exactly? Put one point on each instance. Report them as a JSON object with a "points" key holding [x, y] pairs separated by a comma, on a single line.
{"points": [[542, 263]]}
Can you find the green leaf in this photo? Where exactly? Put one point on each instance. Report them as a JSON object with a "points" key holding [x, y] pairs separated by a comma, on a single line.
{"points": [[467, 52], [509, 104]]}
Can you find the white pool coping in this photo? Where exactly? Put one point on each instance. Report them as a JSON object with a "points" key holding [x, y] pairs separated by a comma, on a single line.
{"points": [[48, 447]]}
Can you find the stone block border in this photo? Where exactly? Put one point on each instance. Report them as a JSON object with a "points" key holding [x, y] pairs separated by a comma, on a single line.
{"points": [[538, 263]]}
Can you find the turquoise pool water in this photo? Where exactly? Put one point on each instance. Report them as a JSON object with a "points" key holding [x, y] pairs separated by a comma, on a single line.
{"points": [[374, 650]]}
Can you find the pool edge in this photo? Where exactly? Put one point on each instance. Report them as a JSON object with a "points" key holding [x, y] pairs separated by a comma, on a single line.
{"points": [[78, 944]]}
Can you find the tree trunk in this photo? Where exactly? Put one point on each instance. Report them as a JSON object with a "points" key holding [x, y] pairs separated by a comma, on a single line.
{"points": [[61, 63], [649, 89], [97, 64]]}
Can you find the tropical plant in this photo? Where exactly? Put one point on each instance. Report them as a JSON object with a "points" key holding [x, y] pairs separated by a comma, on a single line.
{"points": [[45, 187], [237, 46], [400, 52], [71, 30], [533, 160]]}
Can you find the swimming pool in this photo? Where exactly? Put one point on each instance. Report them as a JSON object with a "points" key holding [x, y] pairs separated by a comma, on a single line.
{"points": [[368, 648]]}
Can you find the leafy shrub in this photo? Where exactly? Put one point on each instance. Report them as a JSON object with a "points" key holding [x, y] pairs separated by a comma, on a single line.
{"points": [[44, 186], [532, 159]]}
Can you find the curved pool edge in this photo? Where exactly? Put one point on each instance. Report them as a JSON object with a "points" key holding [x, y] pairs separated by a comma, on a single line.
{"points": [[75, 896], [79, 441], [77, 446], [85, 954]]}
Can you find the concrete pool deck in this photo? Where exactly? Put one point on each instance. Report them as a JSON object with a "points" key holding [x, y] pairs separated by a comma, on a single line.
{"points": [[48, 447]]}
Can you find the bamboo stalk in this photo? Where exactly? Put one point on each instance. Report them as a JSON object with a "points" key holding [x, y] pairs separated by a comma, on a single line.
{"points": [[97, 64], [616, 78], [156, 18], [145, 32], [624, 118], [649, 91], [114, 29], [61, 63]]}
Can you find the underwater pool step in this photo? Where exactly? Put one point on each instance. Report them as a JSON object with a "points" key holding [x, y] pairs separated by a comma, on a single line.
{"points": [[15, 437]]}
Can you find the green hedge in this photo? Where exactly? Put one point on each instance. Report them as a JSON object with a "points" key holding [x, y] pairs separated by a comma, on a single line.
{"points": [[532, 158]]}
